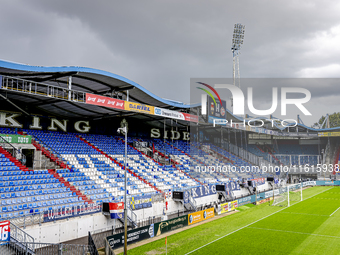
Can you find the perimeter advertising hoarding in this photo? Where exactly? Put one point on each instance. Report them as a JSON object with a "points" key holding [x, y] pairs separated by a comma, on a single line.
{"points": [[133, 235], [230, 206], [264, 200], [104, 101], [200, 216], [169, 225]]}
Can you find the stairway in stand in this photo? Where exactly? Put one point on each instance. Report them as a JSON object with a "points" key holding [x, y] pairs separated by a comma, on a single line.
{"points": [[70, 186], [50, 155], [13, 159]]}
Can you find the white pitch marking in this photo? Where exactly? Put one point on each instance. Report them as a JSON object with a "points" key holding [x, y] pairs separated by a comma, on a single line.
{"points": [[334, 211], [251, 223]]}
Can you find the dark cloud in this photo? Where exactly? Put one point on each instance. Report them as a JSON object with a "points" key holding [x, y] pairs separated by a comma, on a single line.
{"points": [[162, 44]]}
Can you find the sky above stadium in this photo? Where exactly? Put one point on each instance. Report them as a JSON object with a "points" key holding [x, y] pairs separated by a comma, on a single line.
{"points": [[162, 44]]}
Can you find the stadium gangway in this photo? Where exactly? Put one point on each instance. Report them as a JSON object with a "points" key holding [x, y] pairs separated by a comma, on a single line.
{"points": [[131, 217], [42, 89]]}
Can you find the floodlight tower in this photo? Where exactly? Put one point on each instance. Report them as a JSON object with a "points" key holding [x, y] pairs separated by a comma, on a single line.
{"points": [[237, 41]]}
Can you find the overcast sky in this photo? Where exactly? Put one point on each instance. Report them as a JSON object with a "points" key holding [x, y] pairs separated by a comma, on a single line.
{"points": [[162, 44]]}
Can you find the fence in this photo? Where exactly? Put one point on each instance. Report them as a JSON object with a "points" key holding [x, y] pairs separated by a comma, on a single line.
{"points": [[299, 160]]}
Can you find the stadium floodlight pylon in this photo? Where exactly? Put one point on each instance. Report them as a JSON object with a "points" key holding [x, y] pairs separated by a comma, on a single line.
{"points": [[237, 41], [287, 195]]}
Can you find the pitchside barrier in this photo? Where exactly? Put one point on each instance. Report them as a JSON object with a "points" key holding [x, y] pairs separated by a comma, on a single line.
{"points": [[116, 241], [268, 194], [156, 229]]}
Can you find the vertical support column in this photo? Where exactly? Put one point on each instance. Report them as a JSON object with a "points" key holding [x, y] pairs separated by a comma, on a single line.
{"points": [[288, 195], [125, 195], [69, 88]]}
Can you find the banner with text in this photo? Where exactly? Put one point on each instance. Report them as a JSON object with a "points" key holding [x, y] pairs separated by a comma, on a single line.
{"points": [[23, 139], [69, 212], [200, 216], [169, 225], [5, 232], [104, 101], [136, 107], [133, 235]]}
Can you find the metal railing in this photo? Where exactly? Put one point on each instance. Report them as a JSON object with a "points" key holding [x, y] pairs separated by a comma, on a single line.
{"points": [[50, 150], [288, 159], [20, 236], [132, 216], [16, 154], [42, 89], [30, 248]]}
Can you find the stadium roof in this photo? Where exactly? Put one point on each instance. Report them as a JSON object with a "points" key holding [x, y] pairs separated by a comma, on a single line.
{"points": [[84, 79], [97, 82]]}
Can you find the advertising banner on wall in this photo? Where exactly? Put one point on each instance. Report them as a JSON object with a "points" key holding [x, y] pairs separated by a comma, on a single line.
{"points": [[169, 113], [140, 202], [326, 134], [133, 235], [23, 139], [104, 101], [71, 211], [5, 232], [136, 107], [198, 192], [169, 225], [200, 216]]}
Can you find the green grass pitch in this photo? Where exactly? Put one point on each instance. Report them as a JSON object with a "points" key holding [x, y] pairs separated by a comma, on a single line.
{"points": [[308, 227]]}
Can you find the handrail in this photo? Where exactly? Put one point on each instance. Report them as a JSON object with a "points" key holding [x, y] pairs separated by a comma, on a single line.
{"points": [[49, 149], [16, 152], [21, 236], [42, 89]]}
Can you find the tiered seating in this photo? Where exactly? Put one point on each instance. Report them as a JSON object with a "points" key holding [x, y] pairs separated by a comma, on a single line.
{"points": [[255, 149], [141, 165], [27, 192], [62, 143]]}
